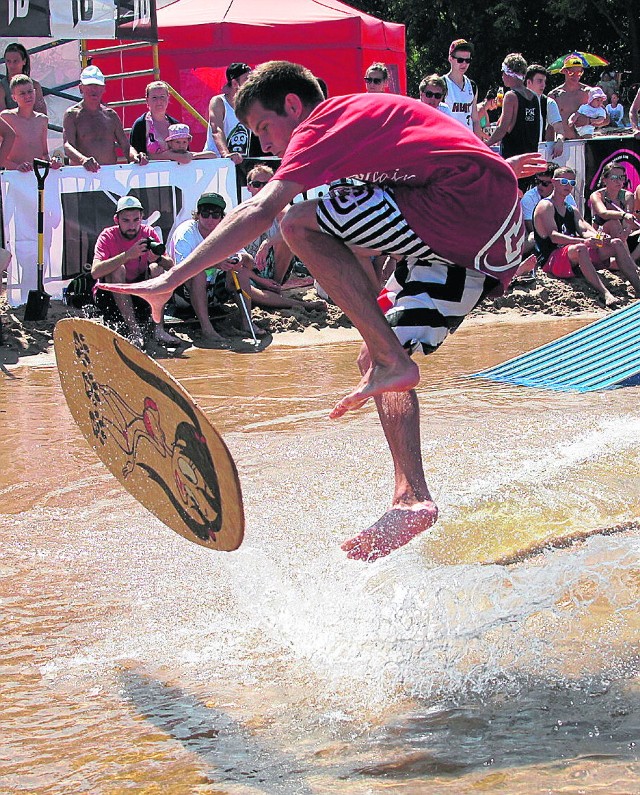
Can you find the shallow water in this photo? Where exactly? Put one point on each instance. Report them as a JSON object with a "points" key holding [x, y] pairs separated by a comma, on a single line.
{"points": [[132, 661]]}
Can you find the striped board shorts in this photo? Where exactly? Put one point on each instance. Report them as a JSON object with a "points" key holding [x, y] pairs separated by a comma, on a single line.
{"points": [[426, 298]]}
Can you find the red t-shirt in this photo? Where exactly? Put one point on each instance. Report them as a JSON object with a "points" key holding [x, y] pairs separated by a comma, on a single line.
{"points": [[110, 243], [456, 194]]}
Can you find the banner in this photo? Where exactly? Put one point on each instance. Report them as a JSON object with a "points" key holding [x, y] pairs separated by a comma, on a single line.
{"points": [[79, 205], [79, 19]]}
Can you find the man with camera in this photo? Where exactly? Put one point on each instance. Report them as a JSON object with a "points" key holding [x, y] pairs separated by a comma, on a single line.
{"points": [[129, 252]]}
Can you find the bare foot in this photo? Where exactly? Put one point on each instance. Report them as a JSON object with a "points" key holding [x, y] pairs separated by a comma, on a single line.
{"points": [[210, 335], [160, 335], [610, 301], [402, 376], [393, 530]]}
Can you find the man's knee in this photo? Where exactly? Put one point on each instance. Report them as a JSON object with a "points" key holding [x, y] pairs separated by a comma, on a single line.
{"points": [[299, 220]]}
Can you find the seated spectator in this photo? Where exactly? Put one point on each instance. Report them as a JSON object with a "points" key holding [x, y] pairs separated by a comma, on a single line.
{"points": [[18, 62], [178, 141], [634, 115], [488, 104], [542, 189], [186, 237], [271, 254], [615, 111], [29, 126], [91, 131], [591, 114], [123, 254], [376, 79], [612, 205], [433, 91], [567, 245], [150, 130]]}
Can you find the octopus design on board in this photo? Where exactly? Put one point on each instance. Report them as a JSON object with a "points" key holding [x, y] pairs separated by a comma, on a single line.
{"points": [[183, 467]]}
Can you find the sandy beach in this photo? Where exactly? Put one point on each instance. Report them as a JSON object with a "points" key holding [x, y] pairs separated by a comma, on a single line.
{"points": [[31, 344]]}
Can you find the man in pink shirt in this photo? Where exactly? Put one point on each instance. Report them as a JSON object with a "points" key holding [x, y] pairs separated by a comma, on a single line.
{"points": [[426, 191], [123, 254]]}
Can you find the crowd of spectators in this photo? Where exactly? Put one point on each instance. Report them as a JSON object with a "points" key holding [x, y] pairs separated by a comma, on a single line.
{"points": [[515, 119]]}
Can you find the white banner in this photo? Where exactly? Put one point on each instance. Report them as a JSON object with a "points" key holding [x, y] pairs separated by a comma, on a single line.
{"points": [[79, 205]]}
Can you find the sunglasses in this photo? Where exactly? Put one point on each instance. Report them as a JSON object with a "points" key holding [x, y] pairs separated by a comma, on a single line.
{"points": [[206, 213], [375, 80], [461, 60], [616, 176], [431, 94], [256, 183], [565, 181]]}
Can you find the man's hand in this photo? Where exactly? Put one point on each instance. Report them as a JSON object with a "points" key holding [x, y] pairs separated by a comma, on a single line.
{"points": [[557, 148], [137, 250], [235, 157], [156, 292], [140, 159], [528, 164], [91, 164]]}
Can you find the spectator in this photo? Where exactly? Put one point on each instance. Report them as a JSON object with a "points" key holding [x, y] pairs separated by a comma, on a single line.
{"points": [[535, 79], [590, 115], [557, 228], [270, 252], [18, 62], [8, 139], [571, 94], [226, 136], [462, 93], [376, 79], [520, 124], [634, 115], [433, 91], [542, 189], [612, 205], [178, 141], [29, 126], [150, 130], [92, 131], [610, 83], [488, 105], [123, 254], [615, 111]]}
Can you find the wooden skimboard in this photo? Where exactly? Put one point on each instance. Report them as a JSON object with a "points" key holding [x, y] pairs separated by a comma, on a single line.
{"points": [[150, 434]]}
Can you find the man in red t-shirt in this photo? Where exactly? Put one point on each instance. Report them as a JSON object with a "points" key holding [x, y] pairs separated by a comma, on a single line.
{"points": [[427, 192], [122, 254]]}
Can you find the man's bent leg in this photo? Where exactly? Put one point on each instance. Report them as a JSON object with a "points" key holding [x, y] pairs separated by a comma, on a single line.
{"points": [[412, 509], [339, 273]]}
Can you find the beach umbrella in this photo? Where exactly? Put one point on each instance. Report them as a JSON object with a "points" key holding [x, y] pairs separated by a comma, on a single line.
{"points": [[588, 59]]}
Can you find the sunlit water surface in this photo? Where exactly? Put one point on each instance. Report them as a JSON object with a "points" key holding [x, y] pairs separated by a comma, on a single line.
{"points": [[133, 661]]}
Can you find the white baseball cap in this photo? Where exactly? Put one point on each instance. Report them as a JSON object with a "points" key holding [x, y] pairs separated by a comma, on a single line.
{"points": [[91, 75], [128, 203]]}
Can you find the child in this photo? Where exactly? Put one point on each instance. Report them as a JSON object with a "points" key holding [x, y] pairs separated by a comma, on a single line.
{"points": [[29, 126], [178, 141], [615, 111], [591, 115]]}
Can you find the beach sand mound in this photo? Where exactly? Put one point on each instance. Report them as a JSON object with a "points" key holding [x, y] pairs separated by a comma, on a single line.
{"points": [[22, 341]]}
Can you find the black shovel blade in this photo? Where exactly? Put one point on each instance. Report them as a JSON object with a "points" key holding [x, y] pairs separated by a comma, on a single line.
{"points": [[37, 306]]}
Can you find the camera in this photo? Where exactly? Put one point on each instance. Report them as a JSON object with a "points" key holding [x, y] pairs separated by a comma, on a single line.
{"points": [[155, 248]]}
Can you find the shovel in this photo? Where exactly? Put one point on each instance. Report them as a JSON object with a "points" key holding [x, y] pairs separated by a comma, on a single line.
{"points": [[37, 300]]}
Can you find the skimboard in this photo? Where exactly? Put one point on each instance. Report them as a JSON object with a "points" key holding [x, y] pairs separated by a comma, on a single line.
{"points": [[150, 434]]}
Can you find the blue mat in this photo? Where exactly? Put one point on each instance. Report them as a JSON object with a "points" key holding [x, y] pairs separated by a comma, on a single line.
{"points": [[602, 355]]}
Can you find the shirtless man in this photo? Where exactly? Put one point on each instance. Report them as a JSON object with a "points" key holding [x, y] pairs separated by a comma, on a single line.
{"points": [[439, 172], [226, 135], [29, 126], [571, 94], [92, 132]]}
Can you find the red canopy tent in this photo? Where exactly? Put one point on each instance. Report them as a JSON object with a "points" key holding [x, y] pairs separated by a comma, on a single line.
{"points": [[199, 38]]}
